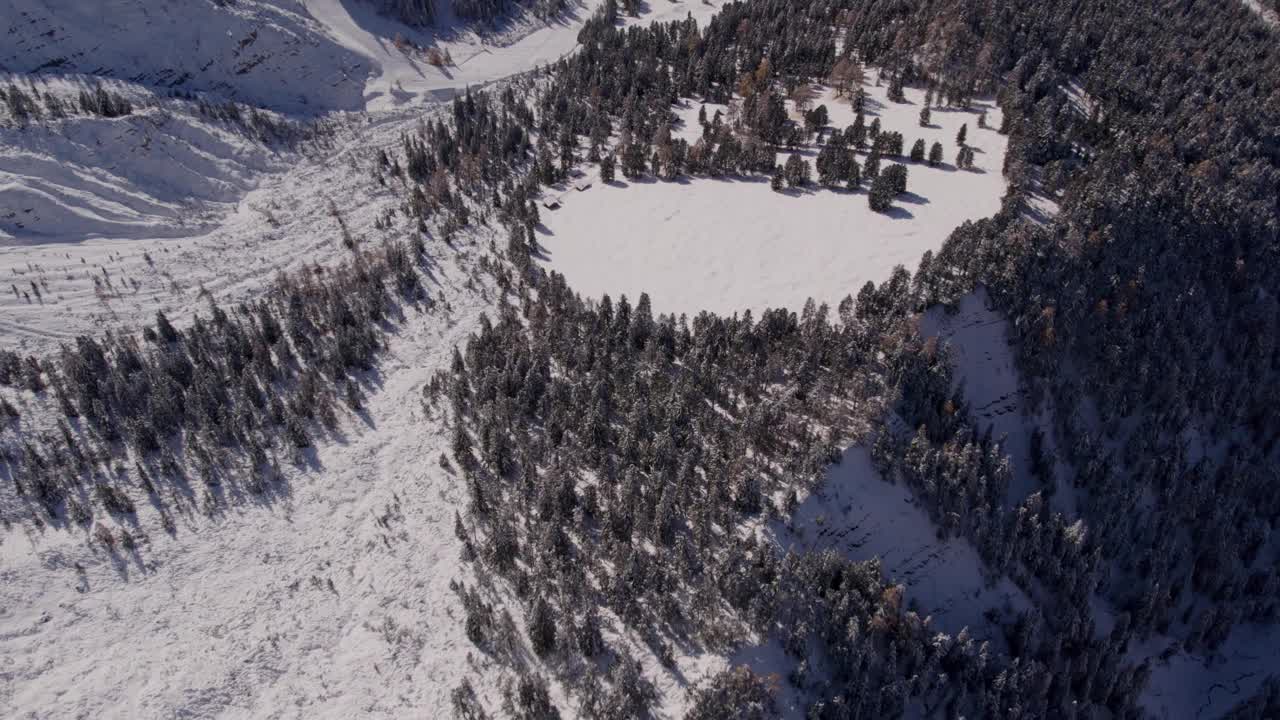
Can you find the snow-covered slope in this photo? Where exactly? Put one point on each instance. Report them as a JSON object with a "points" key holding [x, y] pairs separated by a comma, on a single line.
{"points": [[331, 600], [978, 339], [268, 53], [402, 74], [164, 170]]}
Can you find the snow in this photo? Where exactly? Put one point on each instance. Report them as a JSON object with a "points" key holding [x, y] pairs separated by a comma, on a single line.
{"points": [[730, 244], [162, 171], [160, 197], [280, 222], [263, 52], [978, 338], [1268, 15], [235, 614], [1208, 685], [856, 512], [404, 77]]}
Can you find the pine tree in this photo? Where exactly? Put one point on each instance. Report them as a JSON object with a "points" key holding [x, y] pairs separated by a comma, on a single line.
{"points": [[880, 197], [917, 151], [853, 176], [542, 628], [777, 181], [872, 167], [935, 154], [857, 132], [960, 136], [924, 116], [897, 176]]}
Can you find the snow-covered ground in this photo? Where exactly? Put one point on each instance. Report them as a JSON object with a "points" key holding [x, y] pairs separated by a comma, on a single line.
{"points": [[856, 512], [730, 244], [164, 170], [267, 53], [978, 338], [1208, 685], [402, 75], [115, 219], [330, 601], [282, 222]]}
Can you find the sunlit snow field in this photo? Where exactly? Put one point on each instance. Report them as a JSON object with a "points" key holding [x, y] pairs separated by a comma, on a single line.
{"points": [[730, 244]]}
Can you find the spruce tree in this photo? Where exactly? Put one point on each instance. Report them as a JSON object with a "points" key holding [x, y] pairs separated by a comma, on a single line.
{"points": [[935, 154]]}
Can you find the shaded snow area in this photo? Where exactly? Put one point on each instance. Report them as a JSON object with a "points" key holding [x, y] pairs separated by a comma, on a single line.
{"points": [[268, 53], [856, 513], [864, 517], [1182, 685], [977, 337], [1199, 686], [732, 243]]}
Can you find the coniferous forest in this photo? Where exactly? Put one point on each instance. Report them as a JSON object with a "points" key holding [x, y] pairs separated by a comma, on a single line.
{"points": [[621, 467]]}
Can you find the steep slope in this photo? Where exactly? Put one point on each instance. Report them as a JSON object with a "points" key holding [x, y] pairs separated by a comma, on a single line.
{"points": [[167, 168], [267, 53]]}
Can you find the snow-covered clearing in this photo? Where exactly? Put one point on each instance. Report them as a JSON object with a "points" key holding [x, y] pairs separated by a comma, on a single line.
{"points": [[117, 218], [730, 244]]}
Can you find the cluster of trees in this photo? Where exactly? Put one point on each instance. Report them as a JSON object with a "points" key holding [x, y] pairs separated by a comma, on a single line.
{"points": [[220, 401], [1038, 547], [612, 457], [424, 13], [25, 107], [1157, 267]]}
